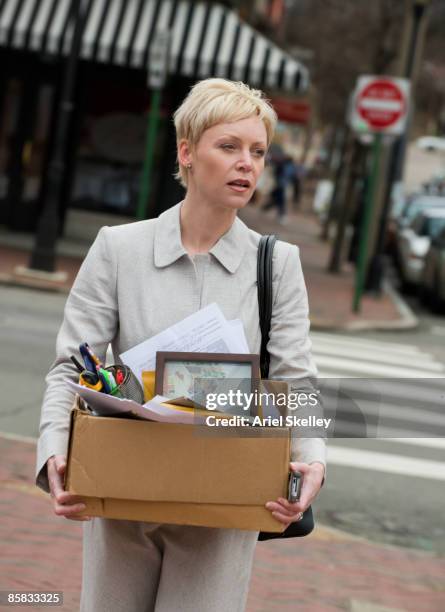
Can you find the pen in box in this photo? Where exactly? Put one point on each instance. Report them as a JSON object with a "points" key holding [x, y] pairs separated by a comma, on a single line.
{"points": [[90, 363], [93, 355], [77, 364]]}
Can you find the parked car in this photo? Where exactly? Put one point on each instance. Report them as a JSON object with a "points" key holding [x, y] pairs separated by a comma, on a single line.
{"points": [[435, 186], [432, 288], [414, 241], [399, 202], [414, 204], [431, 143]]}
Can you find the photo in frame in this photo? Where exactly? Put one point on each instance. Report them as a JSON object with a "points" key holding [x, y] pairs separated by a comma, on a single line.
{"points": [[193, 376]]}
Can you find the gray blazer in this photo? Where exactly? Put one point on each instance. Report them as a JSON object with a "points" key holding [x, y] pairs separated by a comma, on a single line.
{"points": [[137, 279]]}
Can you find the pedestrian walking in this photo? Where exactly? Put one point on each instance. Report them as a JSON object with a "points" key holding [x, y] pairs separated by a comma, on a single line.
{"points": [[278, 194], [286, 173], [297, 173], [124, 293]]}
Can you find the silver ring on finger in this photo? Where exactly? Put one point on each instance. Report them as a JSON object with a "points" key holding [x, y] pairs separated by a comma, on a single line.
{"points": [[300, 516]]}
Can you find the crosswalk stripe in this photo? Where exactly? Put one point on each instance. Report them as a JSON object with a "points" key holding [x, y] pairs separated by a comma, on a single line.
{"points": [[428, 442], [413, 440], [426, 391], [386, 462], [391, 411], [426, 362], [365, 343], [370, 369], [428, 395], [378, 432], [17, 437]]}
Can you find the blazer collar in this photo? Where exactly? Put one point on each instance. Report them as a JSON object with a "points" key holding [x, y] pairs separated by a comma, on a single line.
{"points": [[168, 248]]}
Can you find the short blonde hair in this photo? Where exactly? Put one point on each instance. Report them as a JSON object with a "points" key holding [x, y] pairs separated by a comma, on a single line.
{"points": [[213, 101]]}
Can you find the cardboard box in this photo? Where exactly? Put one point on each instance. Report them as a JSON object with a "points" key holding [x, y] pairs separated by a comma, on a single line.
{"points": [[169, 473]]}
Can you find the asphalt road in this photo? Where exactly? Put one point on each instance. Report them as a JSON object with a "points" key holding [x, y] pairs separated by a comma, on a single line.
{"points": [[386, 503], [29, 321]]}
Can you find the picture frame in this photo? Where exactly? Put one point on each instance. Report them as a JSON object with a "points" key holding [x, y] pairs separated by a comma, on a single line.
{"points": [[187, 378]]}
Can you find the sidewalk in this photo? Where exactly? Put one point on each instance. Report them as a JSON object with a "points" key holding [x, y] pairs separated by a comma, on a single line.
{"points": [[327, 571], [330, 296]]}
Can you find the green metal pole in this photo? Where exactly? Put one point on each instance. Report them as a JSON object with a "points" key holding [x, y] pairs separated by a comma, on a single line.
{"points": [[153, 123], [366, 223]]}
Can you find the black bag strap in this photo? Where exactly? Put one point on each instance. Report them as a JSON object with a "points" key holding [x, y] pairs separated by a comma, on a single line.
{"points": [[265, 301], [265, 297]]}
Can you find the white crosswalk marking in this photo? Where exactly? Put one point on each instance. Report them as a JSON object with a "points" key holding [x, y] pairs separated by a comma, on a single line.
{"points": [[387, 462], [400, 407], [336, 355]]}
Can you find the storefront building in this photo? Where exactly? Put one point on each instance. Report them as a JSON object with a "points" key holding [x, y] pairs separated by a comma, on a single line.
{"points": [[107, 133]]}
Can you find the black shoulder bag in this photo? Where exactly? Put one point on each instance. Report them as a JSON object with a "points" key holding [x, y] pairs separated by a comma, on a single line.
{"points": [[265, 299]]}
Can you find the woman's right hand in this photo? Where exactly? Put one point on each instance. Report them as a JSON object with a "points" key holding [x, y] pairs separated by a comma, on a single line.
{"points": [[64, 503]]}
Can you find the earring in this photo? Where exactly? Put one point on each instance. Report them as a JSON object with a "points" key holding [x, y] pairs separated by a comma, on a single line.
{"points": [[188, 166]]}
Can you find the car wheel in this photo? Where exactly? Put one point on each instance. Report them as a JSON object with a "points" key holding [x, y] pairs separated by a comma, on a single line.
{"points": [[405, 285], [436, 302], [396, 259]]}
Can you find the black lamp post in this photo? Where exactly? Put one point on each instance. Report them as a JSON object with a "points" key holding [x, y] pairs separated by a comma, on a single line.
{"points": [[43, 254]]}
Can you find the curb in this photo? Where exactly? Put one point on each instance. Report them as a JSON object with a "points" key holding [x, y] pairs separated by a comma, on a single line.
{"points": [[408, 319], [325, 533], [18, 438], [11, 280]]}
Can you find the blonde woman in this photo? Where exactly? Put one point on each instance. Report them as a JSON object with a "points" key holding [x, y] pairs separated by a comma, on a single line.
{"points": [[124, 293]]}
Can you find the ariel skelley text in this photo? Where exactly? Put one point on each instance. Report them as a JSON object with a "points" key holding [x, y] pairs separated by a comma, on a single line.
{"points": [[280, 421]]}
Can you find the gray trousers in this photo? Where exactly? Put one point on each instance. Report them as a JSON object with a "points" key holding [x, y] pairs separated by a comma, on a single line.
{"points": [[130, 566]]}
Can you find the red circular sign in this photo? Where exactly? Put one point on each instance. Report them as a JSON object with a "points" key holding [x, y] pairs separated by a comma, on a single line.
{"points": [[381, 103]]}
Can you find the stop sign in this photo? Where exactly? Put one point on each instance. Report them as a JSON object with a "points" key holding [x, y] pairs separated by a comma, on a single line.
{"points": [[381, 103]]}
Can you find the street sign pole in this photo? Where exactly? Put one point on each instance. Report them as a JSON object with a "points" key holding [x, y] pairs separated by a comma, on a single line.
{"points": [[152, 130], [157, 74], [366, 223], [380, 108]]}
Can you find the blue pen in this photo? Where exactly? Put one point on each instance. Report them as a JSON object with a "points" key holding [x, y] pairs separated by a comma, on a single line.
{"points": [[93, 355], [86, 356]]}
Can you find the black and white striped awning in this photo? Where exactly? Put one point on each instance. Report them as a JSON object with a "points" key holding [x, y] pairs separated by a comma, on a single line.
{"points": [[207, 39]]}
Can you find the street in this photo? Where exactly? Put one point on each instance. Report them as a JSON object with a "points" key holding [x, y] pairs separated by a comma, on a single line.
{"points": [[385, 490], [393, 496], [29, 321]]}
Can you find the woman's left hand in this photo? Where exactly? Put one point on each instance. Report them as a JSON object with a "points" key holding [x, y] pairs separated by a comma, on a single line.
{"points": [[287, 512]]}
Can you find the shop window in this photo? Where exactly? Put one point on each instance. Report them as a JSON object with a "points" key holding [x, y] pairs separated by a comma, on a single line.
{"points": [[111, 146], [109, 162], [34, 151]]}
